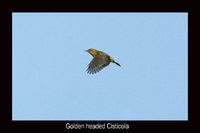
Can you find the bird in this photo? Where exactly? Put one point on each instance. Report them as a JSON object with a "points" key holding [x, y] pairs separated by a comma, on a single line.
{"points": [[100, 60]]}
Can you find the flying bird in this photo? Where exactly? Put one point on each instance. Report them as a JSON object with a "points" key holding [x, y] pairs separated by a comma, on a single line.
{"points": [[99, 61]]}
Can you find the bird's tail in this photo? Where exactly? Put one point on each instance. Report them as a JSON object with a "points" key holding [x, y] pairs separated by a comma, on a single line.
{"points": [[116, 63]]}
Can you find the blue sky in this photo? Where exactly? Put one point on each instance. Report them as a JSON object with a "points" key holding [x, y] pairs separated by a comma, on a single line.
{"points": [[50, 81]]}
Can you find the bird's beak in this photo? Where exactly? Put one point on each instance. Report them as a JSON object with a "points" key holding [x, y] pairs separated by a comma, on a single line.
{"points": [[86, 50]]}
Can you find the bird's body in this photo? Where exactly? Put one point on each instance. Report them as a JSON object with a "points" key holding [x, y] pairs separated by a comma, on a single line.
{"points": [[99, 61]]}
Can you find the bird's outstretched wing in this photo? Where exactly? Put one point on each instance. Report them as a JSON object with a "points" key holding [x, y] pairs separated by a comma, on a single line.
{"points": [[97, 64]]}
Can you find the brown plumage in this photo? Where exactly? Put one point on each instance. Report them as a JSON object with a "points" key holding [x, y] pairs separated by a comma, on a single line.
{"points": [[99, 61]]}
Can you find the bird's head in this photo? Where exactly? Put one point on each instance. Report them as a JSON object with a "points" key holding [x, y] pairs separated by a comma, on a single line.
{"points": [[92, 51]]}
